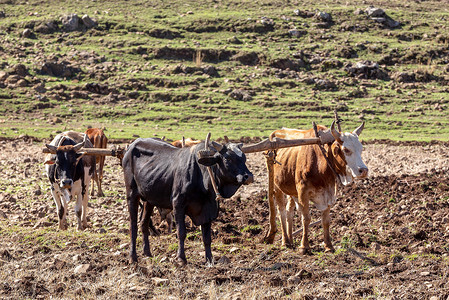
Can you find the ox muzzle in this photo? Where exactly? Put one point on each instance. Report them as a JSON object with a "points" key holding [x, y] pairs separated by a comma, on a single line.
{"points": [[245, 179], [66, 183], [362, 172]]}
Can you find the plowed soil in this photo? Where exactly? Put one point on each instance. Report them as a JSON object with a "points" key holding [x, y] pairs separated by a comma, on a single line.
{"points": [[390, 231]]}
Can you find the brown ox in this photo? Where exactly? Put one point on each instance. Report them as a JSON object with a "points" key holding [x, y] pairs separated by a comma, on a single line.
{"points": [[188, 142], [99, 140], [305, 175]]}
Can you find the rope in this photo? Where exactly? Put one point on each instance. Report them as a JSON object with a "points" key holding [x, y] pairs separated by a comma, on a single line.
{"points": [[218, 196], [323, 151]]}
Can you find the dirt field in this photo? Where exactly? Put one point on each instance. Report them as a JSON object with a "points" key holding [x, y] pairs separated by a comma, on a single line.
{"points": [[390, 231]]}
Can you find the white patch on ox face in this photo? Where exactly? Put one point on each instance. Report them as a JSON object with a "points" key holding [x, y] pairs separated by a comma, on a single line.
{"points": [[352, 149], [235, 148]]}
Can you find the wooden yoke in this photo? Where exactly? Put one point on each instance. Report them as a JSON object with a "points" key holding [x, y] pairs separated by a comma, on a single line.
{"points": [[278, 143], [96, 151]]}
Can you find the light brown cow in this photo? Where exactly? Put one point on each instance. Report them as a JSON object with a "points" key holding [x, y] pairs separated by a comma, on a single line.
{"points": [[305, 175], [99, 140], [188, 142]]}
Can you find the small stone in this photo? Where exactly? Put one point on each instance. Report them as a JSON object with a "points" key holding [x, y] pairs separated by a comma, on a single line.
{"points": [[40, 88], [160, 281], [224, 260], [295, 32], [375, 246], [133, 275], [82, 269], [375, 12], [76, 257], [324, 16], [88, 22], [233, 249], [27, 33], [425, 273], [70, 22], [122, 246]]}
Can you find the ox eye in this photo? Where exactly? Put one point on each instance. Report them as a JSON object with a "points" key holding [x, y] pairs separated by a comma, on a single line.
{"points": [[347, 151]]}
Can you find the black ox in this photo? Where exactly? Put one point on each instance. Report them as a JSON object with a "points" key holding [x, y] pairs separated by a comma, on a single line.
{"points": [[164, 176], [70, 172]]}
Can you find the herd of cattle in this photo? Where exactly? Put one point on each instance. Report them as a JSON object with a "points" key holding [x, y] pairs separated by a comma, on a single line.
{"points": [[187, 177]]}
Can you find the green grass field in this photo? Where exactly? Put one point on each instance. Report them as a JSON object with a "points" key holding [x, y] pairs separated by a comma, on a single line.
{"points": [[184, 68]]}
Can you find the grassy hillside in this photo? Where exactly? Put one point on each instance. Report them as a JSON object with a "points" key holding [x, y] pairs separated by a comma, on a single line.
{"points": [[235, 68]]}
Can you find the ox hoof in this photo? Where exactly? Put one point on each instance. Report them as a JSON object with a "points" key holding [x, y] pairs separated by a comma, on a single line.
{"points": [[304, 251], [81, 227], [329, 250], [289, 246], [180, 262], [147, 253], [269, 238], [132, 258], [63, 226]]}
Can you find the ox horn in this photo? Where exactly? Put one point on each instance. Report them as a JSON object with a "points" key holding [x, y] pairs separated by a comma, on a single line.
{"points": [[335, 133], [51, 148], [206, 143], [217, 146], [206, 152], [359, 129], [78, 146]]}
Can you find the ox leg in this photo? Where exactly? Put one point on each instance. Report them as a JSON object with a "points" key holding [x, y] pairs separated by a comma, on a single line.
{"points": [[60, 207], [167, 215], [92, 190], [96, 180], [181, 230], [145, 227], [325, 220], [85, 195], [282, 205], [100, 176], [77, 192], [304, 206], [133, 205], [290, 214], [270, 235], [207, 240], [169, 219]]}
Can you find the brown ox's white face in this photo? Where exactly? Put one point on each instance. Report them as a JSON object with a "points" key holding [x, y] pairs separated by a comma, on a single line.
{"points": [[352, 151]]}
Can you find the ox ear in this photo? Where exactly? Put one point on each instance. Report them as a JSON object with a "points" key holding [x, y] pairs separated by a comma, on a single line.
{"points": [[208, 161], [49, 162], [358, 130], [78, 146], [336, 150], [207, 157]]}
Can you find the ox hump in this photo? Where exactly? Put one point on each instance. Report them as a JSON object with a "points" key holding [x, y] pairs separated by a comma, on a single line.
{"points": [[236, 149]]}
